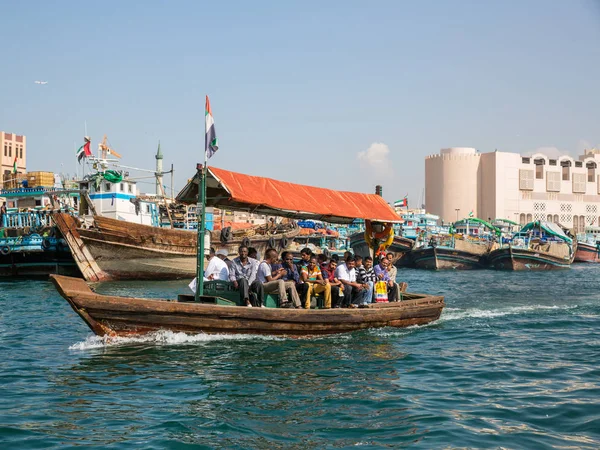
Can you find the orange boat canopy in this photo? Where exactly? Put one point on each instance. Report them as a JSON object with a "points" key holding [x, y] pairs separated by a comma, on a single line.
{"points": [[239, 192]]}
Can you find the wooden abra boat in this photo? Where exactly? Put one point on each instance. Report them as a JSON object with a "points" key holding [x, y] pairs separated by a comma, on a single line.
{"points": [[461, 254], [530, 249], [437, 258], [517, 258], [108, 315]]}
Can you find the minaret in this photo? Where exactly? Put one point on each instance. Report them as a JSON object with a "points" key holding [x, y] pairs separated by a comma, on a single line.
{"points": [[159, 169]]}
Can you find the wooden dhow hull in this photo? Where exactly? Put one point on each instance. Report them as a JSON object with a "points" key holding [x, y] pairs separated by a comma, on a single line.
{"points": [[121, 316], [586, 253], [118, 250], [514, 258], [440, 258]]}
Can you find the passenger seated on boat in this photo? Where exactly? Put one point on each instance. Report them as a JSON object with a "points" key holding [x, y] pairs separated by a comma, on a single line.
{"points": [[272, 281], [322, 261], [365, 275], [337, 290], [392, 273], [312, 276], [292, 276], [217, 269], [243, 276], [383, 275], [305, 255], [346, 273], [253, 253]]}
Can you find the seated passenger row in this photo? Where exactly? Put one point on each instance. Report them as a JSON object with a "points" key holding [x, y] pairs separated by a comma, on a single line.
{"points": [[349, 284]]}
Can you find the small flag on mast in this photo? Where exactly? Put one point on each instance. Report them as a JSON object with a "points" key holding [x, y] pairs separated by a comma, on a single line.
{"points": [[15, 162], [471, 214], [401, 203], [211, 141], [84, 151]]}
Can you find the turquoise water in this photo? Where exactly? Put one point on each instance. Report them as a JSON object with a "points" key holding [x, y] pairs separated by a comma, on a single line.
{"points": [[512, 363]]}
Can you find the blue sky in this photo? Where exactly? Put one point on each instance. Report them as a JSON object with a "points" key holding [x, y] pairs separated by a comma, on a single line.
{"points": [[300, 90]]}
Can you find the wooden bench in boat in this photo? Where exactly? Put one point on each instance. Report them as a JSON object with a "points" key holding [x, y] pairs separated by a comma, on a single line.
{"points": [[220, 292]]}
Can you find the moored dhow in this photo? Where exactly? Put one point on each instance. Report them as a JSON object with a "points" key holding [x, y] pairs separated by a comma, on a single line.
{"points": [[538, 246]]}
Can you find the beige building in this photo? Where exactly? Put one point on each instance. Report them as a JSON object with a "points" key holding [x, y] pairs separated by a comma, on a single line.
{"points": [[500, 185], [11, 146]]}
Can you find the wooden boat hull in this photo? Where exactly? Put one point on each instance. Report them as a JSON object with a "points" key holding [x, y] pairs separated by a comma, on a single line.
{"points": [[511, 258], [400, 245], [120, 250], [37, 263], [441, 258], [120, 316], [586, 253]]}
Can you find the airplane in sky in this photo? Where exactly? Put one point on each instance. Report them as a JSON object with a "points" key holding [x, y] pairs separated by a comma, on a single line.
{"points": [[40, 82]]}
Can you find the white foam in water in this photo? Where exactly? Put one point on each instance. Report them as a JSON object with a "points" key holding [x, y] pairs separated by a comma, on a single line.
{"points": [[458, 314], [163, 337]]}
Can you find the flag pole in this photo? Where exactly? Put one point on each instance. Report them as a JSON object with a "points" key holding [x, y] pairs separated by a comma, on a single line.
{"points": [[202, 225]]}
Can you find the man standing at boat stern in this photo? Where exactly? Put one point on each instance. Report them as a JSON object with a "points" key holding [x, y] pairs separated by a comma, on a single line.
{"points": [[243, 276], [272, 281]]}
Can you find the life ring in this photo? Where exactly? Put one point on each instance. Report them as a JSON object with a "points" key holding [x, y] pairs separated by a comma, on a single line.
{"points": [[387, 233], [271, 242], [46, 244], [5, 250], [226, 234], [284, 242], [326, 252], [246, 242]]}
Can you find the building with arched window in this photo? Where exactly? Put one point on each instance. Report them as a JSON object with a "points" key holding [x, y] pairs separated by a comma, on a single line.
{"points": [[501, 185]]}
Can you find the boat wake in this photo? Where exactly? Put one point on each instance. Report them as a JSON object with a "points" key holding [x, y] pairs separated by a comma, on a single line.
{"points": [[475, 313], [163, 337]]}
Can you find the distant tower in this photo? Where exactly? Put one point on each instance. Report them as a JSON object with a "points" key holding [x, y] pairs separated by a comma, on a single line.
{"points": [[159, 169]]}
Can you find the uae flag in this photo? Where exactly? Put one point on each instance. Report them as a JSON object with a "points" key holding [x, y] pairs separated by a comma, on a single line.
{"points": [[84, 151], [210, 141], [401, 203]]}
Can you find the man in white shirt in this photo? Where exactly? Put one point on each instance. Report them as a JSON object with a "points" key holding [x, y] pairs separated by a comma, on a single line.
{"points": [[346, 273], [216, 270]]}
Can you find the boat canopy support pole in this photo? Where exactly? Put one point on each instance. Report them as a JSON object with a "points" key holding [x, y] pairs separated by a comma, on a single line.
{"points": [[201, 231]]}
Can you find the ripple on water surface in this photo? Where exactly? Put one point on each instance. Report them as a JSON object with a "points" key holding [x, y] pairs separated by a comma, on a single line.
{"points": [[512, 363]]}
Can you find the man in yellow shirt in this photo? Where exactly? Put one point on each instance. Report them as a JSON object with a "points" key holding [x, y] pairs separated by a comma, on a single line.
{"points": [[312, 276]]}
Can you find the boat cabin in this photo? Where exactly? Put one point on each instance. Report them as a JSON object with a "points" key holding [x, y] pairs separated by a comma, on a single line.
{"points": [[118, 200]]}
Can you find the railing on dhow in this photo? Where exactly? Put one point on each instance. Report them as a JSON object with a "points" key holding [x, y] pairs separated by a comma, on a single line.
{"points": [[22, 219]]}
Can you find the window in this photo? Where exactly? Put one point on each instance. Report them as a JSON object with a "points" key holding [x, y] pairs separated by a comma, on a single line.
{"points": [[578, 164], [122, 187], [525, 160], [107, 187], [591, 171], [555, 218], [21, 153], [552, 162], [129, 188], [38, 203], [522, 219], [10, 151], [549, 218], [148, 209], [5, 150], [566, 170], [539, 168], [529, 218]]}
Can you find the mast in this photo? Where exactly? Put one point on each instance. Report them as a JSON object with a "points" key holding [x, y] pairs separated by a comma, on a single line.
{"points": [[201, 226]]}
